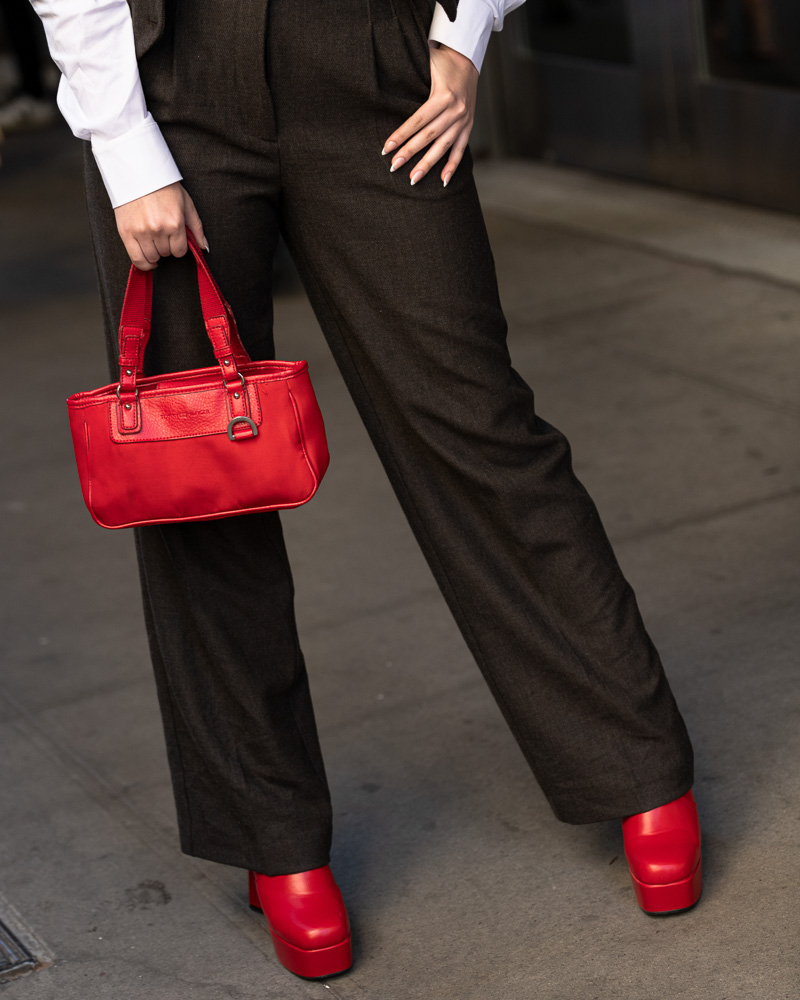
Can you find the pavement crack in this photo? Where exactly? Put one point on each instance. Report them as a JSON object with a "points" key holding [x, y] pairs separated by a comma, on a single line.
{"points": [[741, 392], [702, 517]]}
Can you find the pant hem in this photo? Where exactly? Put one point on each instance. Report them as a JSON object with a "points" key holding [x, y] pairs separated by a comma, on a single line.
{"points": [[284, 866], [638, 801]]}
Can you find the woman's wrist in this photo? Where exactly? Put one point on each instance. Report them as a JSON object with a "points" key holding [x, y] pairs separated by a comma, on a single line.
{"points": [[458, 55]]}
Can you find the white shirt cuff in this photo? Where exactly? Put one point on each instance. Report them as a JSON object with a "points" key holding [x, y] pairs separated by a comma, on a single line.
{"points": [[136, 163], [470, 32]]}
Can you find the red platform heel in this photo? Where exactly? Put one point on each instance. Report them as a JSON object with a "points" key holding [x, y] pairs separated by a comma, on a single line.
{"points": [[307, 920], [662, 846]]}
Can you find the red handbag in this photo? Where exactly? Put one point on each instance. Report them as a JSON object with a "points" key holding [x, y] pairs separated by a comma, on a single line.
{"points": [[238, 437]]}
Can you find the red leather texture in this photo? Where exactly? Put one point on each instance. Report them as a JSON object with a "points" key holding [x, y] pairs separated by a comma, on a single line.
{"points": [[663, 849], [235, 438], [307, 919]]}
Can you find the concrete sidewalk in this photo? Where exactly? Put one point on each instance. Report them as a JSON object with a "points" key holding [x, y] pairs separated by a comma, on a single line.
{"points": [[669, 356]]}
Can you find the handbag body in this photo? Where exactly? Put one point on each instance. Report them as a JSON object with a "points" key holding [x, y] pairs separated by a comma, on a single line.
{"points": [[238, 437]]}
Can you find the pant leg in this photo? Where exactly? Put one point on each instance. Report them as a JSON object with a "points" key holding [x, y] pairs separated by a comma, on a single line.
{"points": [[403, 283], [245, 761]]}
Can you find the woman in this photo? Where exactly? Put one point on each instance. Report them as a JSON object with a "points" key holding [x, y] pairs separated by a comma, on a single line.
{"points": [[273, 114]]}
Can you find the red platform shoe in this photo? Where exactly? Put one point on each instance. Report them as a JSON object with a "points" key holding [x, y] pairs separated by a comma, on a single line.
{"points": [[663, 850], [307, 919]]}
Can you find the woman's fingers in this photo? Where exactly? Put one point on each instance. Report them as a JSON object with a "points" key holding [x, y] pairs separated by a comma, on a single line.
{"points": [[435, 152], [446, 130], [443, 121], [430, 122], [456, 153], [193, 222], [422, 117], [178, 244], [146, 253], [154, 226], [150, 251], [136, 253]]}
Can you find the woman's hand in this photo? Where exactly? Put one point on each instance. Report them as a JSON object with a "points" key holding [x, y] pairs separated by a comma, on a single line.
{"points": [[154, 226], [445, 119]]}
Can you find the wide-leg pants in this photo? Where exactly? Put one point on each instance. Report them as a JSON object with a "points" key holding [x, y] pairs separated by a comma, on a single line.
{"points": [[276, 113]]}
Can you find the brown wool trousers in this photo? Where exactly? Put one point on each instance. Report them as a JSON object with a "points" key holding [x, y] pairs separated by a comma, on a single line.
{"points": [[275, 111]]}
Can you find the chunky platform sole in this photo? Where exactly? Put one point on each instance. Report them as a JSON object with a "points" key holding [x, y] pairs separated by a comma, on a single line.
{"points": [[671, 897], [310, 963], [316, 963]]}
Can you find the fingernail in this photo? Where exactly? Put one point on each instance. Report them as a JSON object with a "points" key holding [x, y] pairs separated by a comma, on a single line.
{"points": [[397, 164], [417, 176], [207, 246], [446, 179], [390, 145]]}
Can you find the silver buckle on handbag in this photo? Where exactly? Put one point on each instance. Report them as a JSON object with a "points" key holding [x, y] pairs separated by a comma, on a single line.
{"points": [[237, 420], [225, 381]]}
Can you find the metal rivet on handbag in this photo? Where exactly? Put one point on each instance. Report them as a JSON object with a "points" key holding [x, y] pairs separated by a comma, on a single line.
{"points": [[239, 437]]}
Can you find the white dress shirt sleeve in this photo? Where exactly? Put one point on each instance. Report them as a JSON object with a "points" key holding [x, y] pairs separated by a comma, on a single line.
{"points": [[100, 94], [470, 32]]}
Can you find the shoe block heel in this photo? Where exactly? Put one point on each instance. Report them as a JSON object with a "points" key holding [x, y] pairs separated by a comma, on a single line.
{"points": [[671, 897], [316, 963], [255, 902]]}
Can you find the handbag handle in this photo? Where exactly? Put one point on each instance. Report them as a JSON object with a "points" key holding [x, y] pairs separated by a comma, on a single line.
{"points": [[134, 328]]}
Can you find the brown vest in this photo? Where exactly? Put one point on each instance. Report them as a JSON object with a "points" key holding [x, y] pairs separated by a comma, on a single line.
{"points": [[148, 23]]}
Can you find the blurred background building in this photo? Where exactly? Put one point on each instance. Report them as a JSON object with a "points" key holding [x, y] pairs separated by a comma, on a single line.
{"points": [[28, 78], [703, 95]]}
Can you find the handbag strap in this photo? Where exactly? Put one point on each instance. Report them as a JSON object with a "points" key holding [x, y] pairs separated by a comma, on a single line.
{"points": [[134, 328], [134, 333]]}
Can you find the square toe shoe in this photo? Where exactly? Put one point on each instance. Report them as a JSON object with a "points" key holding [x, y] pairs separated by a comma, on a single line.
{"points": [[662, 847], [307, 919]]}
